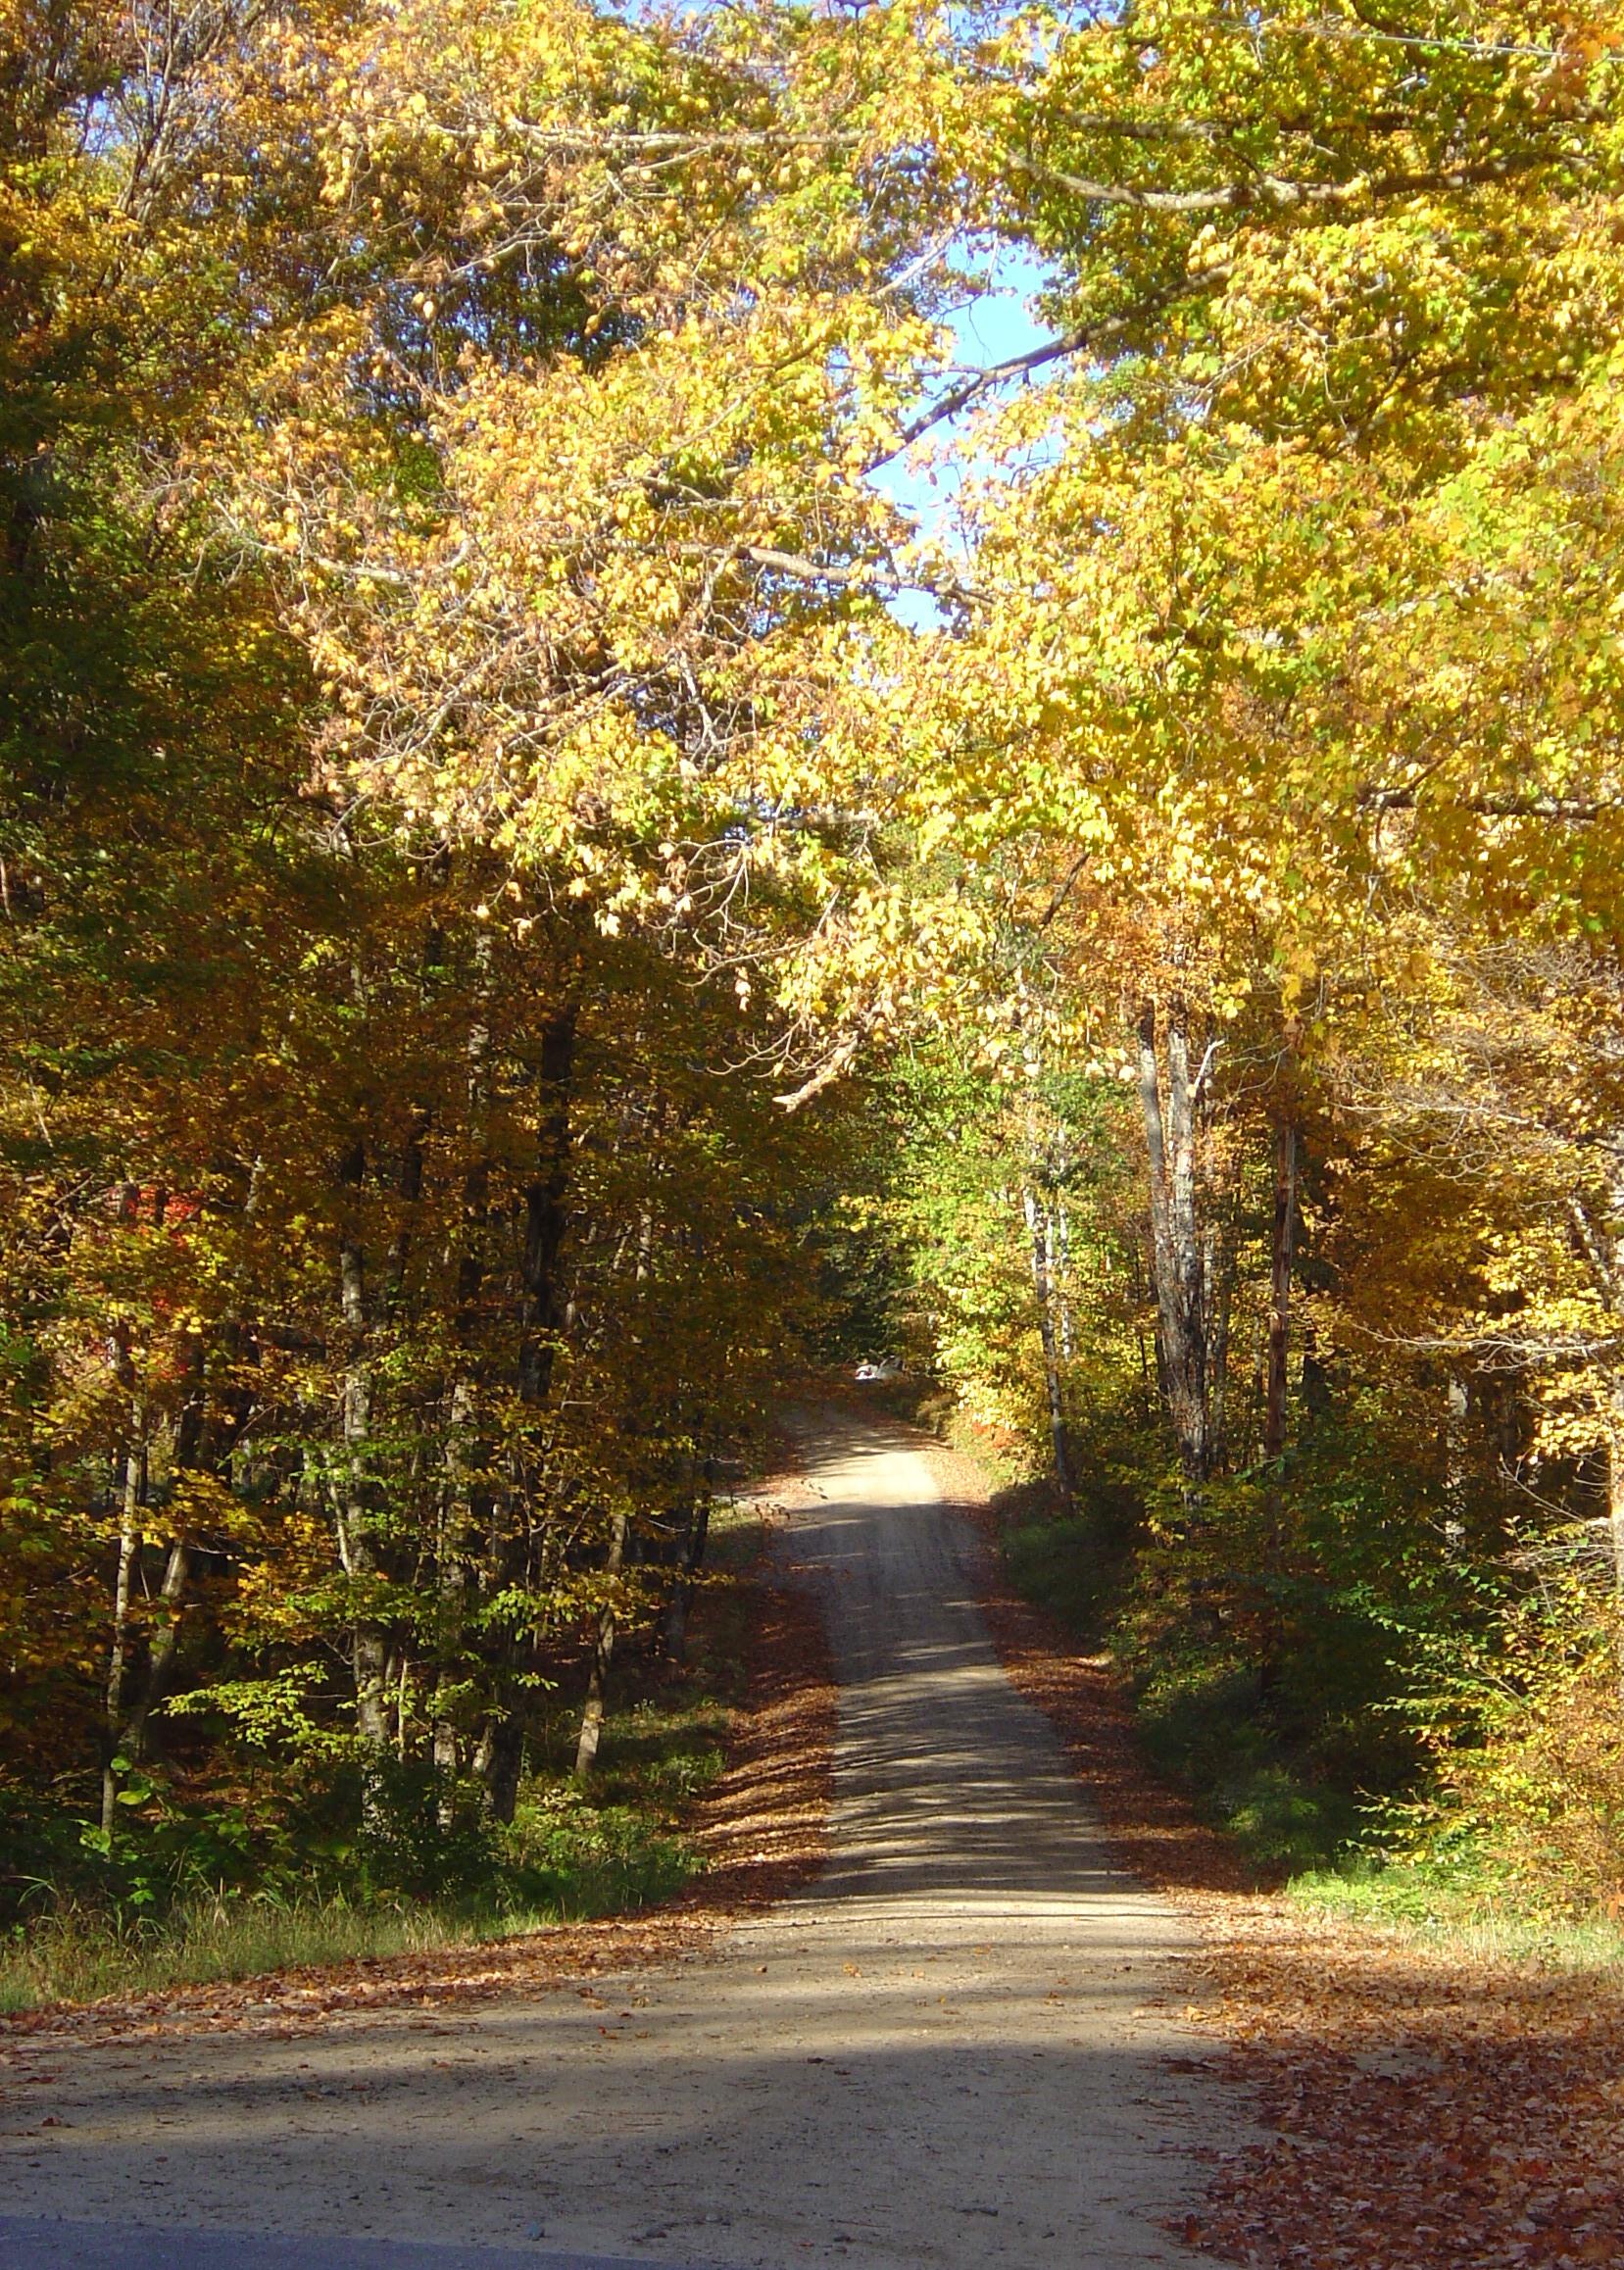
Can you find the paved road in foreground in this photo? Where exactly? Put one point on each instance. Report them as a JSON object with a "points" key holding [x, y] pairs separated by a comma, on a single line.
{"points": [[33, 2243], [946, 2053]]}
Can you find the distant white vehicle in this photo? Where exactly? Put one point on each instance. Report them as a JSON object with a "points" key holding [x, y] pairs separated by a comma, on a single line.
{"points": [[887, 1368]]}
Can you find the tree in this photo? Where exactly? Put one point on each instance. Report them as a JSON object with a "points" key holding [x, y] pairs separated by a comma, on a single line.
{"points": [[398, 1224]]}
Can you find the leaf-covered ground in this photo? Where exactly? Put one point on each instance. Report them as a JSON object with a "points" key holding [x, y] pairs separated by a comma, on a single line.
{"points": [[1427, 2110]]}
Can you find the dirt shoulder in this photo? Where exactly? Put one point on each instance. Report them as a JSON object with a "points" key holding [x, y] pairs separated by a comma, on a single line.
{"points": [[763, 1826], [1430, 2111]]}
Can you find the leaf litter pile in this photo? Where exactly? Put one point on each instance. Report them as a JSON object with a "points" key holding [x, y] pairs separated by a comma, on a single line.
{"points": [[1427, 2110]]}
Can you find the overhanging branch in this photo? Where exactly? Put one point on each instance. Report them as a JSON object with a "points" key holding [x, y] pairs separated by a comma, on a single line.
{"points": [[1088, 338]]}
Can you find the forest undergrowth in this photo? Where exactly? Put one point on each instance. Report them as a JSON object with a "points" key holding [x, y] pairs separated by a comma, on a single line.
{"points": [[567, 1855], [647, 1827]]}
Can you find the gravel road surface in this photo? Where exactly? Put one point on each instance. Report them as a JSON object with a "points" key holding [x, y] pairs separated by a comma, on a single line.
{"points": [[947, 2053]]}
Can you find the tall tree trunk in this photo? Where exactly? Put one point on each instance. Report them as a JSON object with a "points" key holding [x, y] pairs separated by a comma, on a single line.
{"points": [[603, 1648], [502, 1755], [693, 1560], [1060, 1264], [354, 1510], [1219, 1266], [1281, 1238], [1039, 1236], [191, 1437], [540, 1318], [461, 1507], [1176, 1247], [1601, 1242], [358, 1543], [130, 1546], [410, 1188], [457, 1521], [1613, 1421], [161, 1652]]}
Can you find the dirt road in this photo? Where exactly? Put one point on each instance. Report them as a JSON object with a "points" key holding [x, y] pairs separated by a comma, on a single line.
{"points": [[947, 2053]]}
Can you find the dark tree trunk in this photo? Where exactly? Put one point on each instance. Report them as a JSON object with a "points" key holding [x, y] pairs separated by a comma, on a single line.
{"points": [[132, 1472], [546, 1211], [463, 1504], [352, 1506], [603, 1648], [1601, 1243], [161, 1651], [541, 1316], [503, 1759], [1219, 1269], [1041, 1236], [693, 1560], [410, 1187]]}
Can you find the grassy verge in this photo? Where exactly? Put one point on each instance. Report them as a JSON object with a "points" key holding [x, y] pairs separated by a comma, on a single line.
{"points": [[1201, 1729], [1202, 1720], [80, 1956], [1434, 2078], [1062, 1567], [1459, 1911]]}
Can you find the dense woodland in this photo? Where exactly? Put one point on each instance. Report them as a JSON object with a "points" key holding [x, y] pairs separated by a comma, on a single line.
{"points": [[537, 900]]}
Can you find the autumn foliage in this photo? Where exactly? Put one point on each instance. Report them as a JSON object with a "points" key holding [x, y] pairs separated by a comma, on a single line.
{"points": [[508, 924]]}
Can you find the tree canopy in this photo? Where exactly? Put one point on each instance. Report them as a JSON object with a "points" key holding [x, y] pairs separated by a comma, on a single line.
{"points": [[515, 943]]}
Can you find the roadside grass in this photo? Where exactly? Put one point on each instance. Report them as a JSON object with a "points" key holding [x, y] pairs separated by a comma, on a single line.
{"points": [[571, 1855], [1203, 1719], [1460, 1910], [1204, 1729], [575, 1851], [78, 1956], [1200, 1721], [1063, 1567]]}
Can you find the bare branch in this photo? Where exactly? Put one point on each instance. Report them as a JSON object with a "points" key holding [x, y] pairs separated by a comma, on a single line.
{"points": [[1273, 192], [839, 1060], [859, 575], [1064, 890], [592, 137]]}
